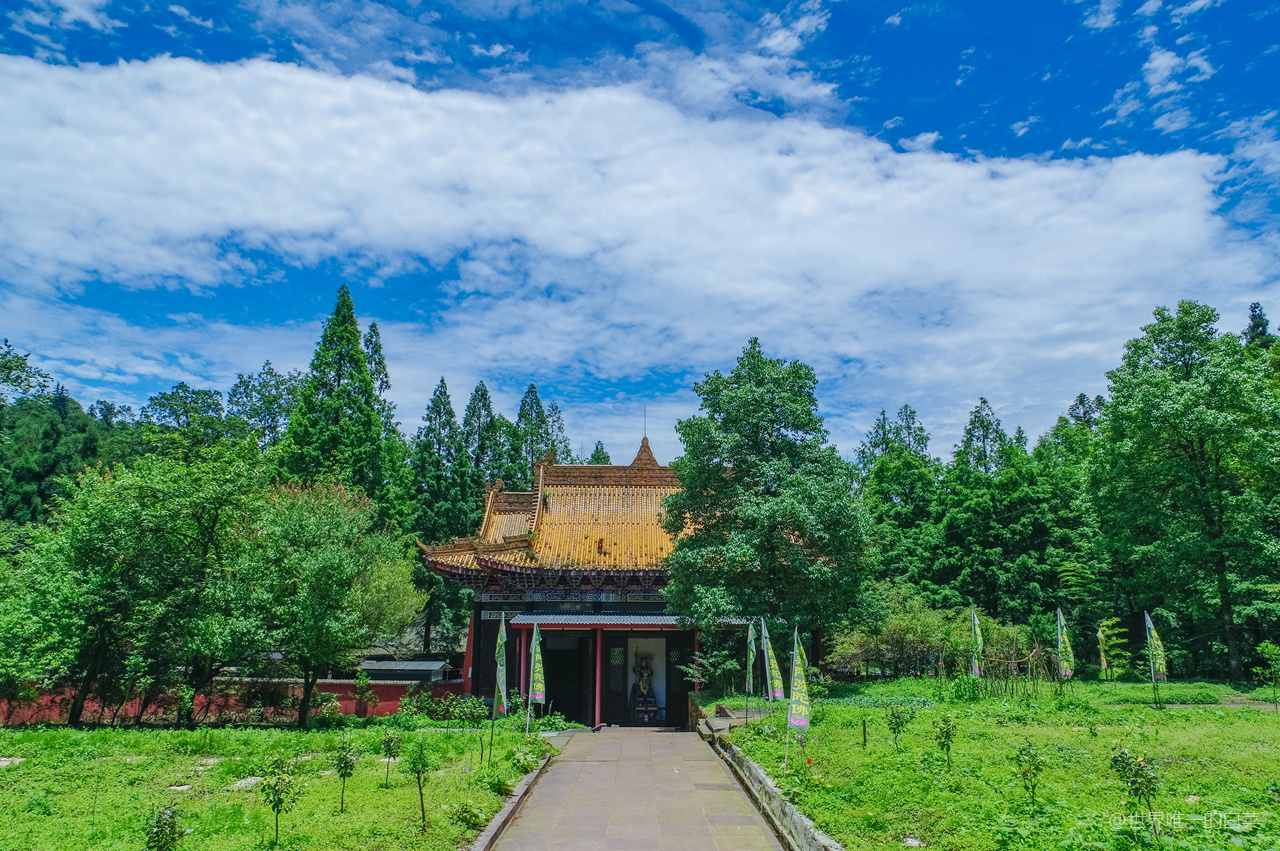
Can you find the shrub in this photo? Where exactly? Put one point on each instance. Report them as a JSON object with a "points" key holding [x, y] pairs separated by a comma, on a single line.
{"points": [[344, 763], [1029, 764], [391, 743], [419, 758], [944, 733], [899, 718], [280, 789], [163, 829]]}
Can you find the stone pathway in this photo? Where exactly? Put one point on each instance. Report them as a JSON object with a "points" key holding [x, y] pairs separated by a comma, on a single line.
{"points": [[637, 789]]}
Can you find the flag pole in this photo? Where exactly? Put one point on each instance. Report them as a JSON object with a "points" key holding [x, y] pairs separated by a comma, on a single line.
{"points": [[528, 698]]}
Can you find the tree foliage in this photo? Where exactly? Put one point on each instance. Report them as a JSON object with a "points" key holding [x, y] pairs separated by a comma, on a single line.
{"points": [[1183, 478], [340, 583], [766, 521]]}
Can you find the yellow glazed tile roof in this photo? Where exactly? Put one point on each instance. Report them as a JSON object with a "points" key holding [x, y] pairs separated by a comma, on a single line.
{"points": [[581, 516], [602, 526]]}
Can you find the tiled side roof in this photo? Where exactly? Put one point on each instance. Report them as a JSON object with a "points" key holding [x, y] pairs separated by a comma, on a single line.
{"points": [[607, 526], [509, 515]]}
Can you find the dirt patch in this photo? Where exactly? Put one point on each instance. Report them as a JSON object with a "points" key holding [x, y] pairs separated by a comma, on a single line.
{"points": [[11, 760], [245, 784]]}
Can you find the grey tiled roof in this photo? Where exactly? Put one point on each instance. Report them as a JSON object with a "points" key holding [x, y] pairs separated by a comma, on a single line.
{"points": [[375, 665], [591, 619]]}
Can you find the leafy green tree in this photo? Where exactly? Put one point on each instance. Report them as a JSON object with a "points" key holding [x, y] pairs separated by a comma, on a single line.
{"points": [[337, 426], [341, 583], [1029, 764], [1269, 670], [136, 588], [196, 414], [900, 485], [766, 521], [164, 829], [17, 375], [556, 439], [265, 401], [446, 613], [898, 718], [532, 423], [993, 526], [599, 455], [944, 733], [1183, 478]]}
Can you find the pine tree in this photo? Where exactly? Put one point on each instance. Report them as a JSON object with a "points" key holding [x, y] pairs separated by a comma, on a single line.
{"points": [[481, 441], [1258, 329], [337, 427], [984, 441], [441, 473], [599, 455], [532, 423]]}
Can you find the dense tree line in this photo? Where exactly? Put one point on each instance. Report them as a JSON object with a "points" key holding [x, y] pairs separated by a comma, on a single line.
{"points": [[266, 530], [1161, 496], [269, 526]]}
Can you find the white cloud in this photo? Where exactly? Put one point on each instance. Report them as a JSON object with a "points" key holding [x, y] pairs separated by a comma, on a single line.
{"points": [[600, 235], [1172, 122], [780, 37], [1149, 8], [181, 12], [88, 12], [921, 142], [1159, 70], [493, 50], [1181, 13], [1257, 142], [1020, 128], [1103, 16], [1124, 103]]}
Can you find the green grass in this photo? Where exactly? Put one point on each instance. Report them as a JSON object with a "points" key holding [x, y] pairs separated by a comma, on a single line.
{"points": [[95, 789], [1223, 759]]}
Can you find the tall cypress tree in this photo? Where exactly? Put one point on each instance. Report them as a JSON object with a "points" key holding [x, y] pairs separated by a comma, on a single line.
{"points": [[481, 441], [531, 422], [441, 473], [337, 427]]}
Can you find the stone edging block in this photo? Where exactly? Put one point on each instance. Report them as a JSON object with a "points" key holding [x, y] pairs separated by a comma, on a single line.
{"points": [[489, 837], [794, 828]]}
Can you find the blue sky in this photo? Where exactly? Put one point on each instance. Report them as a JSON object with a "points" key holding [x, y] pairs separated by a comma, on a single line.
{"points": [[927, 202]]}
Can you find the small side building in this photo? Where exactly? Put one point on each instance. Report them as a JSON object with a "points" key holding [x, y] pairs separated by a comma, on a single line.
{"points": [[582, 557]]}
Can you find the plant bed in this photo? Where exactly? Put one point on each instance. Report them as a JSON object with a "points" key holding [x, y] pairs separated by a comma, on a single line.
{"points": [[100, 788], [1216, 771]]}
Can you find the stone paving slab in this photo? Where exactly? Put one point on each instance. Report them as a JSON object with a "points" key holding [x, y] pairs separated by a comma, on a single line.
{"points": [[637, 789]]}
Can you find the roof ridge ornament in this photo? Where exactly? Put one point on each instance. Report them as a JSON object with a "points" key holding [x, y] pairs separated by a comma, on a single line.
{"points": [[644, 457]]}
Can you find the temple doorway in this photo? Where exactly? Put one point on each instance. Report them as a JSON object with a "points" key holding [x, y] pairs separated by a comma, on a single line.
{"points": [[563, 662], [647, 680]]}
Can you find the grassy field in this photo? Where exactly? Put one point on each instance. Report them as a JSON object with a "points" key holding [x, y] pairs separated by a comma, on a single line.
{"points": [[96, 789], [1210, 761]]}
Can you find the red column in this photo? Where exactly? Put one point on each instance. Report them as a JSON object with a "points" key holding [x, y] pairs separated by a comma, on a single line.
{"points": [[469, 655], [697, 649], [599, 666], [524, 660]]}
